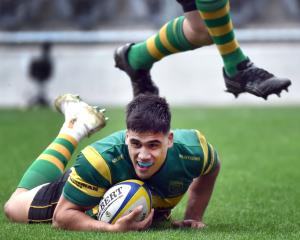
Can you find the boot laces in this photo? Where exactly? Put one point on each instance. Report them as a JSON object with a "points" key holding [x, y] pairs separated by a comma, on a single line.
{"points": [[255, 74]]}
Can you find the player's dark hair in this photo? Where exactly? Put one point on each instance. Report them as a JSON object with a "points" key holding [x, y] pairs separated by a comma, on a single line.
{"points": [[148, 113]]}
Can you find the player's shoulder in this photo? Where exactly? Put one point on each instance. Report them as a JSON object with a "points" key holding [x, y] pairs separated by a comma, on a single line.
{"points": [[188, 137], [189, 144], [106, 149], [112, 141]]}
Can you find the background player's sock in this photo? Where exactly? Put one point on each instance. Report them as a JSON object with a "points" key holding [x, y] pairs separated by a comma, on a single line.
{"points": [[50, 164], [216, 16], [170, 39]]}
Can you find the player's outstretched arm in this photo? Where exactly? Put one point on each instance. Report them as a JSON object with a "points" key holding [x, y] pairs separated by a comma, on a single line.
{"points": [[70, 216], [200, 192]]}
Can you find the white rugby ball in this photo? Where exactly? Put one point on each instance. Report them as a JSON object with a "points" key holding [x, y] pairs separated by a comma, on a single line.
{"points": [[122, 198]]}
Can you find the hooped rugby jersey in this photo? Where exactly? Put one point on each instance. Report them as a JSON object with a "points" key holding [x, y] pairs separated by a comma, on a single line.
{"points": [[106, 162]]}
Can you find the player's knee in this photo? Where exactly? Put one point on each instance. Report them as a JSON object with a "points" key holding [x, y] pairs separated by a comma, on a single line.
{"points": [[198, 34], [201, 34], [9, 210], [14, 211]]}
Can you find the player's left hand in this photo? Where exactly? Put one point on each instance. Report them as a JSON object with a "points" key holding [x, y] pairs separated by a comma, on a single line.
{"points": [[188, 223]]}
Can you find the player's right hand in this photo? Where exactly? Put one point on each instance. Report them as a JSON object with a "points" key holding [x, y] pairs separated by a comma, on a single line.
{"points": [[128, 222], [188, 223]]}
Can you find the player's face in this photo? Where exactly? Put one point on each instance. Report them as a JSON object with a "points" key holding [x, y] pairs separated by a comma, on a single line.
{"points": [[148, 151]]}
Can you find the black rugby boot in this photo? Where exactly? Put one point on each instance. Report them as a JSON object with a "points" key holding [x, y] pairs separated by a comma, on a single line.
{"points": [[254, 80], [140, 79]]}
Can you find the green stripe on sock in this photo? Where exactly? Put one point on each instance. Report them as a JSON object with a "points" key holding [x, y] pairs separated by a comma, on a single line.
{"points": [[210, 5], [180, 37], [231, 61], [217, 22], [65, 143], [224, 39], [173, 39], [47, 170], [161, 47], [40, 172], [139, 56], [57, 155], [231, 54]]}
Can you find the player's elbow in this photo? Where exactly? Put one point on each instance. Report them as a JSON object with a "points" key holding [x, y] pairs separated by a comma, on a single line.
{"points": [[217, 169], [212, 176]]}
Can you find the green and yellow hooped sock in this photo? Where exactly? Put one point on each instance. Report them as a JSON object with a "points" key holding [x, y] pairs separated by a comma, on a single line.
{"points": [[216, 16], [51, 164], [170, 39]]}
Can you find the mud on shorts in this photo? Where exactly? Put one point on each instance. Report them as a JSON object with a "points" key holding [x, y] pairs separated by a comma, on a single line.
{"points": [[187, 5], [44, 203]]}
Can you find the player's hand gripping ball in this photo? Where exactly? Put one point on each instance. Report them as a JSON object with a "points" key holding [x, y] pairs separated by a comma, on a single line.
{"points": [[122, 198]]}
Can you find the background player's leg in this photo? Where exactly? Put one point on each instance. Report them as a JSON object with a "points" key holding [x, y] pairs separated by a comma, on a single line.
{"points": [[137, 59], [240, 74], [216, 15], [170, 39], [195, 29]]}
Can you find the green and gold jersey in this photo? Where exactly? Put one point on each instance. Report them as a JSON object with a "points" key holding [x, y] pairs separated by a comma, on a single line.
{"points": [[106, 162]]}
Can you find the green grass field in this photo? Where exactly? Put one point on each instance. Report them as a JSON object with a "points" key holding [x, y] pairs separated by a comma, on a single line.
{"points": [[257, 195]]}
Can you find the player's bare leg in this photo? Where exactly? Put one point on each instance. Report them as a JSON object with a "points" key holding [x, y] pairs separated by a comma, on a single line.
{"points": [[240, 74]]}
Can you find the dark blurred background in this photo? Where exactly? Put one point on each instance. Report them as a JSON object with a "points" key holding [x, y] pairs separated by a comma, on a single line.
{"points": [[94, 14], [50, 47]]}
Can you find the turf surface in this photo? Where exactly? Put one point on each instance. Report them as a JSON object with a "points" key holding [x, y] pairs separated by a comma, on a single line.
{"points": [[257, 195]]}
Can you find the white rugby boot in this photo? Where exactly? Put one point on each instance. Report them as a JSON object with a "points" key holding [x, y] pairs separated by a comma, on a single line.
{"points": [[81, 119]]}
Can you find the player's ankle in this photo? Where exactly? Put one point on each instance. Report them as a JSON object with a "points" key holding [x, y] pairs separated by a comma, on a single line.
{"points": [[77, 134]]}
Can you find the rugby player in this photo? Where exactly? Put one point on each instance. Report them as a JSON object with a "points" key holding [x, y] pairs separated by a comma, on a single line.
{"points": [[204, 22], [170, 162]]}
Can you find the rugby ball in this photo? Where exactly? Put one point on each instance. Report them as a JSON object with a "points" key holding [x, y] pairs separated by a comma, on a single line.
{"points": [[122, 198]]}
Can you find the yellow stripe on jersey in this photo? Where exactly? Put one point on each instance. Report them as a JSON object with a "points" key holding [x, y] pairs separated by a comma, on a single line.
{"points": [[87, 188], [164, 40], [152, 49], [158, 202], [97, 161], [216, 14], [53, 160], [139, 182], [204, 146], [212, 160]]}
